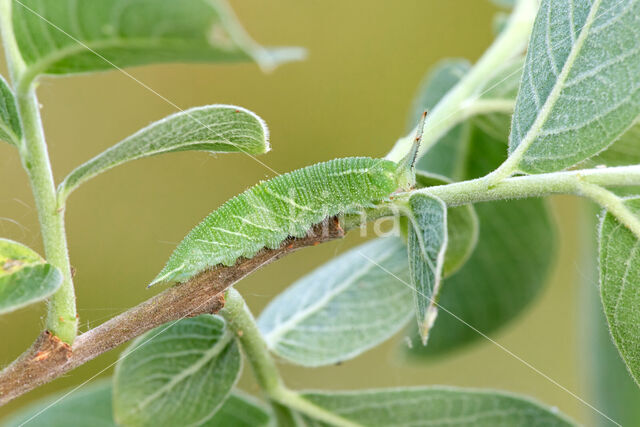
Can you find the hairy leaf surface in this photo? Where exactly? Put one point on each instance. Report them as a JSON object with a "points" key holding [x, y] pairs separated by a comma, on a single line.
{"points": [[462, 227], [427, 244], [580, 88], [68, 36], [176, 374], [334, 313], [505, 272], [490, 289], [88, 406], [92, 406], [287, 205], [25, 278], [614, 391], [213, 128], [625, 151], [619, 284], [436, 406], [10, 129]]}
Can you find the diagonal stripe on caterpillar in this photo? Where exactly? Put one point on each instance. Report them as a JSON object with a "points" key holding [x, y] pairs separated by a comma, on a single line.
{"points": [[288, 205]]}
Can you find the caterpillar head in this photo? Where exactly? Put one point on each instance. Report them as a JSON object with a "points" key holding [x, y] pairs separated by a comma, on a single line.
{"points": [[406, 172]]}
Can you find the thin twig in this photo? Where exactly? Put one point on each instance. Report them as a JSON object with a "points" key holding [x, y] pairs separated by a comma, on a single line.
{"points": [[49, 358]]}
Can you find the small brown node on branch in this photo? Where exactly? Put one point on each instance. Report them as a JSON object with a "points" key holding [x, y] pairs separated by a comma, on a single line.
{"points": [[336, 223], [49, 345]]}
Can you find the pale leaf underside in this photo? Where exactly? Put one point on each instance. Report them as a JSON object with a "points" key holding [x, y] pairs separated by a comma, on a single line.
{"points": [[68, 36], [212, 128], [180, 373], [25, 278], [427, 244], [436, 406], [335, 313], [581, 84], [92, 406], [620, 285]]}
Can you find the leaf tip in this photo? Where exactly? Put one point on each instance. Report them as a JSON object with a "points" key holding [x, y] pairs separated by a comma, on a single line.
{"points": [[427, 323], [268, 59]]}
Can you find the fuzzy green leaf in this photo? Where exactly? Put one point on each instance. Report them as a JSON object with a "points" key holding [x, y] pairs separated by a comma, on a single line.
{"points": [[92, 406], [333, 314], [88, 406], [581, 83], [505, 272], [613, 390], [436, 406], [213, 128], [619, 284], [10, 129], [625, 151], [462, 227], [25, 278], [196, 357], [66, 36], [240, 410], [427, 244], [490, 289]]}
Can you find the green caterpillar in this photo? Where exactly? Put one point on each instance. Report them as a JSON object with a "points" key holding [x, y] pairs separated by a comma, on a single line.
{"points": [[286, 206]]}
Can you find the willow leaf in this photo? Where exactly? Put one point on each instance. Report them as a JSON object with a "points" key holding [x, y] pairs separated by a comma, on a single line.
{"points": [[506, 272], [436, 406], [427, 244], [619, 283], [489, 290], [213, 128], [69, 36], [613, 390], [333, 313], [462, 227], [92, 406], [25, 278], [625, 151], [580, 88], [195, 357]]}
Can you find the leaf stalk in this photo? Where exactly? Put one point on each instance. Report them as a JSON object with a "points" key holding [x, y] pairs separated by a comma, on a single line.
{"points": [[243, 324], [62, 316]]}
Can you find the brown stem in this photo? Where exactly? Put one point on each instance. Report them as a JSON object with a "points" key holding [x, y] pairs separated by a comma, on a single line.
{"points": [[49, 358]]}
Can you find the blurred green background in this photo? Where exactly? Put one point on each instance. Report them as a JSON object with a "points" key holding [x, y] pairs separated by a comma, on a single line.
{"points": [[350, 97]]}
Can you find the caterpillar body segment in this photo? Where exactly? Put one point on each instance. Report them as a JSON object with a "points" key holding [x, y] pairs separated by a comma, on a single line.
{"points": [[288, 205]]}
